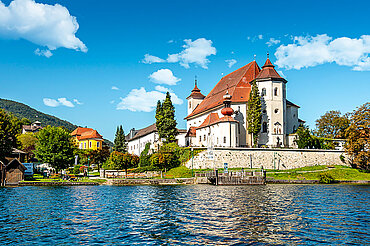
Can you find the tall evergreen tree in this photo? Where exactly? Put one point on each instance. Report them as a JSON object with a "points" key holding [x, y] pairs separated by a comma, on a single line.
{"points": [[165, 120], [159, 119], [254, 117], [120, 140]]}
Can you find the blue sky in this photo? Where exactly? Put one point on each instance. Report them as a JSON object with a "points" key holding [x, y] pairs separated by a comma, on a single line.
{"points": [[67, 66]]}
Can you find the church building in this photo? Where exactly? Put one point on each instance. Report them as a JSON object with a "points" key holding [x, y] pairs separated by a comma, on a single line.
{"points": [[220, 118]]}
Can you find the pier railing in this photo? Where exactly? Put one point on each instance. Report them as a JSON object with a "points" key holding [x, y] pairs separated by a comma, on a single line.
{"points": [[234, 177]]}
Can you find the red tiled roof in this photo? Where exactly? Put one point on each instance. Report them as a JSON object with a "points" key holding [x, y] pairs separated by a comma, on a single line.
{"points": [[237, 83], [213, 118], [191, 132], [86, 133], [195, 93], [268, 71], [210, 120], [79, 130]]}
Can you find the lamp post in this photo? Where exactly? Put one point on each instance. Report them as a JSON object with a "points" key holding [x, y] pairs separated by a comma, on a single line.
{"points": [[192, 161], [88, 164]]}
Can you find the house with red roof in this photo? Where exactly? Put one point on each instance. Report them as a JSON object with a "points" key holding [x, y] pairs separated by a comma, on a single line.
{"points": [[87, 138], [219, 119]]}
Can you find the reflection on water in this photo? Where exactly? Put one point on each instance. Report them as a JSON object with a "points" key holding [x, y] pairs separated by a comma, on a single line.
{"points": [[157, 215]]}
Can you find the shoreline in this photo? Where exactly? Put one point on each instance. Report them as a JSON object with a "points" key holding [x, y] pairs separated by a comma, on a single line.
{"points": [[175, 181]]}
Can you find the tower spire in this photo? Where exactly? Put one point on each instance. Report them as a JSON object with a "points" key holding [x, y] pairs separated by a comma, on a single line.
{"points": [[196, 81], [268, 55]]}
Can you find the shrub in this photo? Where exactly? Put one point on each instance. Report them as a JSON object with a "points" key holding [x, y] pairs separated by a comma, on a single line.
{"points": [[326, 178]]}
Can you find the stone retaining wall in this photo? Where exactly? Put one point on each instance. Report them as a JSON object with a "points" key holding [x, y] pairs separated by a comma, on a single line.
{"points": [[150, 181], [257, 158]]}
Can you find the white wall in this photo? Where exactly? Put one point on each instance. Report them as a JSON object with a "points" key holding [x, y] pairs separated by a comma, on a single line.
{"points": [[136, 146]]}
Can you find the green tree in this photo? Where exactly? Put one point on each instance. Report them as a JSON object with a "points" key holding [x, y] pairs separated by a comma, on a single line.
{"points": [[358, 137], [28, 141], [254, 116], [304, 140], [100, 156], [10, 127], [168, 128], [114, 162], [159, 119], [56, 147], [332, 125], [145, 156], [120, 140]]}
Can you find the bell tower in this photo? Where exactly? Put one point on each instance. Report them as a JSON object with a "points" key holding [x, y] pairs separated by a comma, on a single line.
{"points": [[195, 98]]}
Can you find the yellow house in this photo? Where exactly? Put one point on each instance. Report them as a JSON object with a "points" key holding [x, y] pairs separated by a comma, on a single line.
{"points": [[87, 138]]}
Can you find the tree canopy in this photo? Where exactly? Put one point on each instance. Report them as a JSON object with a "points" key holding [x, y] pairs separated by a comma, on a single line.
{"points": [[165, 120], [56, 147], [332, 125], [254, 116], [120, 140], [10, 127], [358, 137]]}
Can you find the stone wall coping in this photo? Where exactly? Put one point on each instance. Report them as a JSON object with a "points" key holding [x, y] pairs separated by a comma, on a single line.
{"points": [[273, 150]]}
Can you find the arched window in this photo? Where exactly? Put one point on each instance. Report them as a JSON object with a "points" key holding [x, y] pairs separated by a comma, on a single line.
{"points": [[276, 91], [264, 92], [264, 127]]}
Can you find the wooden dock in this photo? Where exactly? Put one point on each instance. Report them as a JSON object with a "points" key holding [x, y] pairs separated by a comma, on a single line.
{"points": [[234, 177]]}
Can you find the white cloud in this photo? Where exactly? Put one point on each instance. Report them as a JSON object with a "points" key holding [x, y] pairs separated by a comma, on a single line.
{"points": [[115, 88], [77, 102], [47, 53], [230, 62], [260, 36], [149, 59], [315, 50], [63, 101], [162, 88], [60, 102], [42, 24], [50, 102], [195, 52], [164, 76], [146, 101], [272, 42], [170, 41], [111, 102]]}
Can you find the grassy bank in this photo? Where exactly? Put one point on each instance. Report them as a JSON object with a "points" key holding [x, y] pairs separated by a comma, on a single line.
{"points": [[40, 178], [314, 172]]}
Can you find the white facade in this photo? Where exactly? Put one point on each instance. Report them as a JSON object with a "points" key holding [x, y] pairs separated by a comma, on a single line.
{"points": [[279, 117], [137, 143], [136, 146]]}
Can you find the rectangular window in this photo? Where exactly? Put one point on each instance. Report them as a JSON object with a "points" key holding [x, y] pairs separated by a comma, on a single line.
{"points": [[204, 138], [224, 139], [200, 138], [85, 146], [90, 144], [97, 144], [81, 145]]}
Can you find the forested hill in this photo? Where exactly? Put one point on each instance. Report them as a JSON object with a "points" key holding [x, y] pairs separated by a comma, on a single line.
{"points": [[21, 110]]}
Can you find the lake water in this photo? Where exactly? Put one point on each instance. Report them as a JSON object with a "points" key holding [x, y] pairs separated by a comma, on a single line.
{"points": [[181, 215]]}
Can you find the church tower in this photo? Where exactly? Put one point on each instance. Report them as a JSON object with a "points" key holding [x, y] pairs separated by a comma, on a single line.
{"points": [[272, 89], [195, 98]]}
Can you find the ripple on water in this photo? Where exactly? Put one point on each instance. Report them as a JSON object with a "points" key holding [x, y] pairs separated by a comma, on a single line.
{"points": [[176, 215]]}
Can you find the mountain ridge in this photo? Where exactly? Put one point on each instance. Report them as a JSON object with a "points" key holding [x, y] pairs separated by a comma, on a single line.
{"points": [[21, 110]]}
